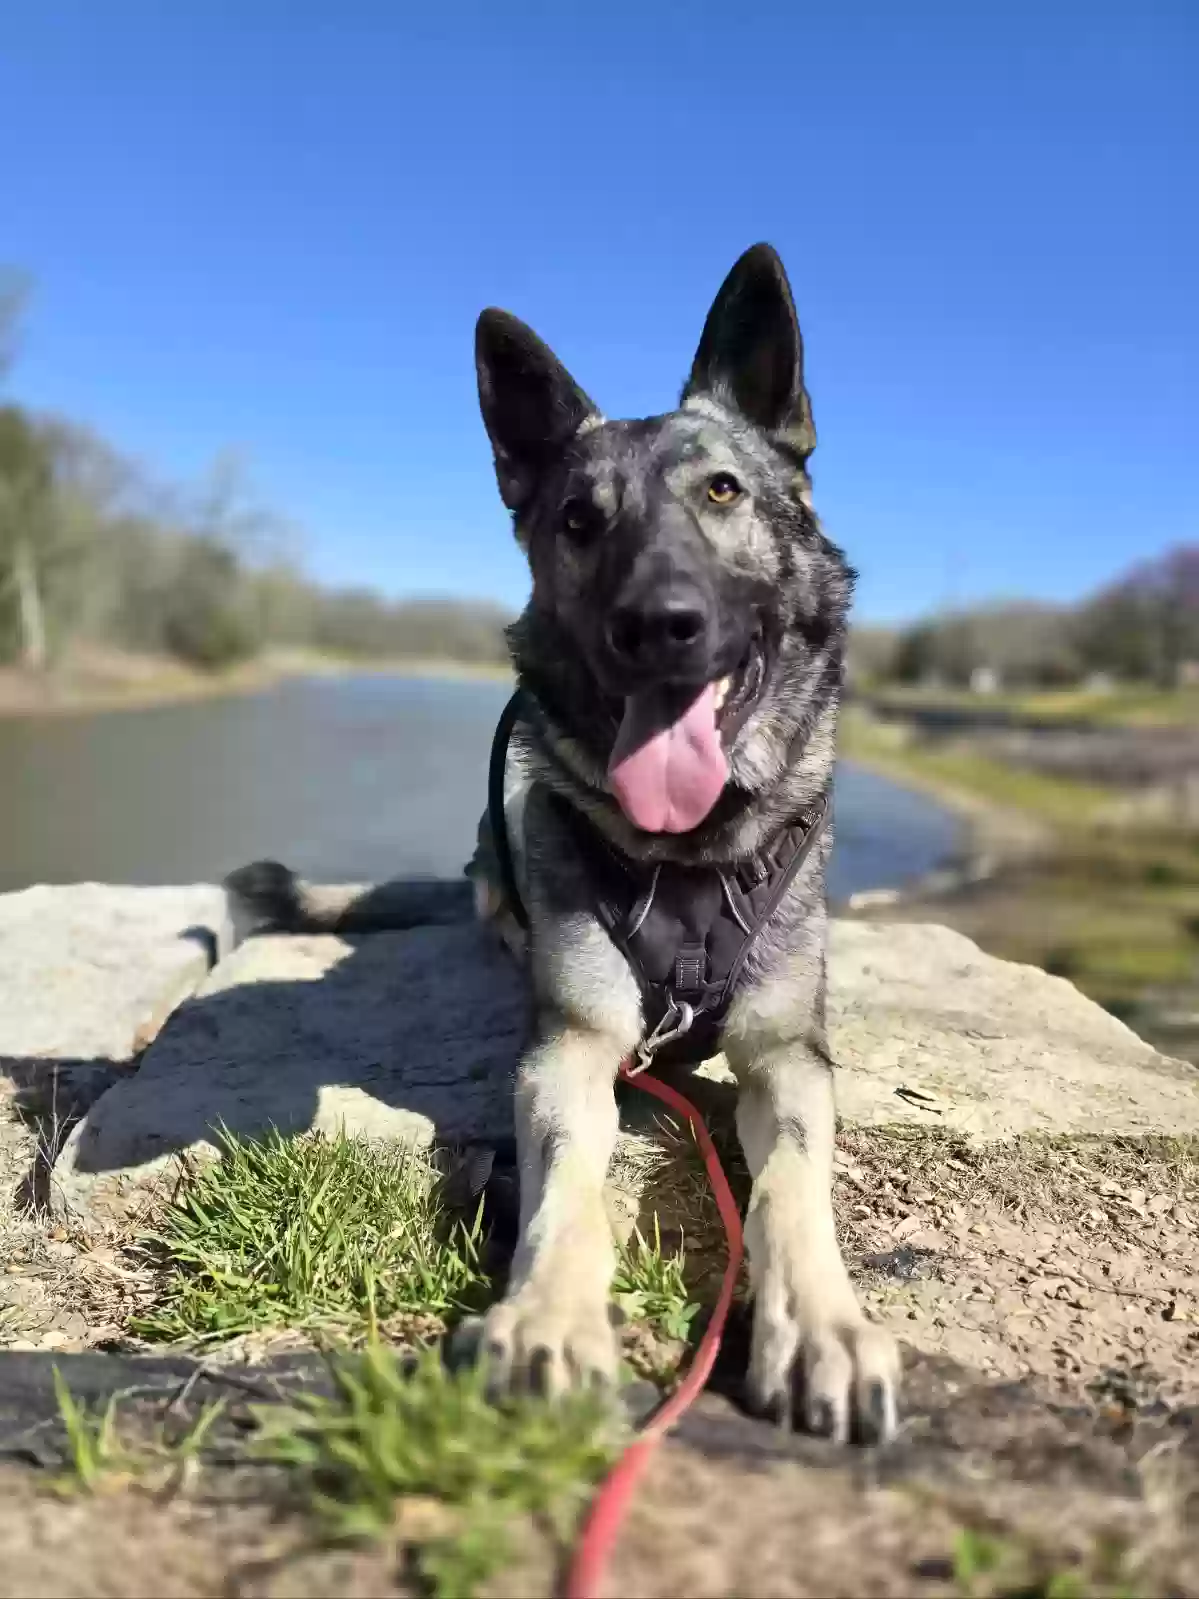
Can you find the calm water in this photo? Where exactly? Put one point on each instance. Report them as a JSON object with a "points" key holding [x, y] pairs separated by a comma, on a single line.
{"points": [[344, 779]]}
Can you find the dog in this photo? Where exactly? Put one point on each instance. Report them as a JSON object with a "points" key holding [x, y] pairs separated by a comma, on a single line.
{"points": [[680, 664]]}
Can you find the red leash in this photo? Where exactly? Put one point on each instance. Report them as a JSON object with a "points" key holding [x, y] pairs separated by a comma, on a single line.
{"points": [[611, 1501]]}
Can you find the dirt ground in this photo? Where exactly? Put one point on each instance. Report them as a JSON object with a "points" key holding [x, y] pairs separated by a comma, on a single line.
{"points": [[1058, 1260], [991, 1489], [1047, 1292]]}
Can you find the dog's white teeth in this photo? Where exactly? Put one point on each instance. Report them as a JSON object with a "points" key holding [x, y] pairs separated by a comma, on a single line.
{"points": [[722, 691]]}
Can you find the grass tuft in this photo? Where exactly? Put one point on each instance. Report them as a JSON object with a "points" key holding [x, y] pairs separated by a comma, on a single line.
{"points": [[650, 1285], [94, 1453], [423, 1455], [309, 1232], [990, 1565], [97, 1458]]}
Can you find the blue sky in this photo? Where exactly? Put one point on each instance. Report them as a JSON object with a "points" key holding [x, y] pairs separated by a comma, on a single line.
{"points": [[271, 224]]}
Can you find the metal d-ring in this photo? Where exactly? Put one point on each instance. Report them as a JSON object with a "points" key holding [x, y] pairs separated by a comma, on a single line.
{"points": [[674, 1024]]}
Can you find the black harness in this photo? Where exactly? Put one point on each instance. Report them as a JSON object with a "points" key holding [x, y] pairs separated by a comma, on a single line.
{"points": [[686, 931]]}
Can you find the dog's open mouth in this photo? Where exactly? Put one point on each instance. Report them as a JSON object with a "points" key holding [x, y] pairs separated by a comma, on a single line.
{"points": [[670, 763]]}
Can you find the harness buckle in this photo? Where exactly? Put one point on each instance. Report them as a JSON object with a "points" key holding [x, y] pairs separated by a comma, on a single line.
{"points": [[675, 1023]]}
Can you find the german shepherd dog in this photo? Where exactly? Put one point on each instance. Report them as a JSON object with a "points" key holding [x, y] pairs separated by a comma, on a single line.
{"points": [[680, 660]]}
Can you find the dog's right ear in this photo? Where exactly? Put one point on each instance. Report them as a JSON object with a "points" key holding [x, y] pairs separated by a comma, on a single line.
{"points": [[531, 405]]}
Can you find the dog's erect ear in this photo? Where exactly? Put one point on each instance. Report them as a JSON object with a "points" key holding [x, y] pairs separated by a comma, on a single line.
{"points": [[531, 405], [750, 355]]}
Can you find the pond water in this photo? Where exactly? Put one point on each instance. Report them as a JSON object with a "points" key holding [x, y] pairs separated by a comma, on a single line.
{"points": [[355, 778]]}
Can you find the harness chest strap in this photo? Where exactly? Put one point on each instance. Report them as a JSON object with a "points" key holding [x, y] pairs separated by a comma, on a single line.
{"points": [[686, 931]]}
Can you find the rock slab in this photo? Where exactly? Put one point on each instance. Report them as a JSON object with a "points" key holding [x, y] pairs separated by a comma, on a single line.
{"points": [[410, 1036], [88, 974], [416, 1036], [88, 971], [926, 1027]]}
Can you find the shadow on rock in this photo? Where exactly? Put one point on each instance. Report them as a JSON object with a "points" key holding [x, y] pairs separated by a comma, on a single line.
{"points": [[411, 1034]]}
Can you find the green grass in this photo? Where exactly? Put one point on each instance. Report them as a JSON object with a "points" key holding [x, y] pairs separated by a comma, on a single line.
{"points": [[650, 1285], [97, 1458], [1122, 965], [335, 1234], [94, 1453], [1057, 801], [413, 1454], [309, 1232], [1132, 705], [425, 1457], [1053, 799], [984, 1564], [1005, 1566]]}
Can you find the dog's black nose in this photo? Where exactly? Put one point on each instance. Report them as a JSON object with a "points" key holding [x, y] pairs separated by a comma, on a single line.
{"points": [[664, 631]]}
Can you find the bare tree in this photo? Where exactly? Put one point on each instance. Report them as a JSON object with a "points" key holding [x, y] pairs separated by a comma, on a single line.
{"points": [[26, 513], [14, 297], [93, 547], [225, 507], [1146, 624]]}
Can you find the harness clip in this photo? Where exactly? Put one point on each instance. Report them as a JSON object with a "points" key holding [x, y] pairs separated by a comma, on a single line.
{"points": [[674, 1024]]}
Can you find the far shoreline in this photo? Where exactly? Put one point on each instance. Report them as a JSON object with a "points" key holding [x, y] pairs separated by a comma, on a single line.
{"points": [[118, 682], [1007, 829]]}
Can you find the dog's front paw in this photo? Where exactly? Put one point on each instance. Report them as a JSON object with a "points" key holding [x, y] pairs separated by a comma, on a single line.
{"points": [[547, 1343], [833, 1375]]}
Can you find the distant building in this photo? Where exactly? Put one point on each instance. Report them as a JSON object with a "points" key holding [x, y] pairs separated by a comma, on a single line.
{"points": [[985, 680], [1099, 683]]}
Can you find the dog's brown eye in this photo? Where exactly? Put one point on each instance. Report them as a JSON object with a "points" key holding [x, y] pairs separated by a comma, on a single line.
{"points": [[723, 489], [579, 519]]}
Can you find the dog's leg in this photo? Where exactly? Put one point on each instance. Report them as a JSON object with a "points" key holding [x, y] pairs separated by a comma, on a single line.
{"points": [[815, 1360], [552, 1330]]}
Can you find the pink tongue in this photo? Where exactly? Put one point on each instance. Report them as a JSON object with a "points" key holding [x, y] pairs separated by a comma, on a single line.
{"points": [[667, 778]]}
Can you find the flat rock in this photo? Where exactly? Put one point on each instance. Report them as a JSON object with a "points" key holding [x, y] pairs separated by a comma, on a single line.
{"points": [[927, 1028], [410, 1036], [416, 1035], [89, 972]]}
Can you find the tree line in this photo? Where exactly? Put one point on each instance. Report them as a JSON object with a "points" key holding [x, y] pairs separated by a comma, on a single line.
{"points": [[93, 549], [1143, 627]]}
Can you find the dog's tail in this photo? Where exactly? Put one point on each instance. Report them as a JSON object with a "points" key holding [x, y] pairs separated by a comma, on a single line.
{"points": [[265, 897]]}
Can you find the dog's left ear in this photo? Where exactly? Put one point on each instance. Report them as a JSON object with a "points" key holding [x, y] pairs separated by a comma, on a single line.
{"points": [[750, 355], [531, 405]]}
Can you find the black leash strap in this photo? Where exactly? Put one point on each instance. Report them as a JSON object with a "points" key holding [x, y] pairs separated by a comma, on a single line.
{"points": [[496, 814]]}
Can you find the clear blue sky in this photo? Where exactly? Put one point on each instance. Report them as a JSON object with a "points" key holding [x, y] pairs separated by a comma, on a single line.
{"points": [[271, 224]]}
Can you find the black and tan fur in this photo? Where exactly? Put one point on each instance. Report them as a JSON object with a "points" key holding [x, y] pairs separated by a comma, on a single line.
{"points": [[607, 510]]}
